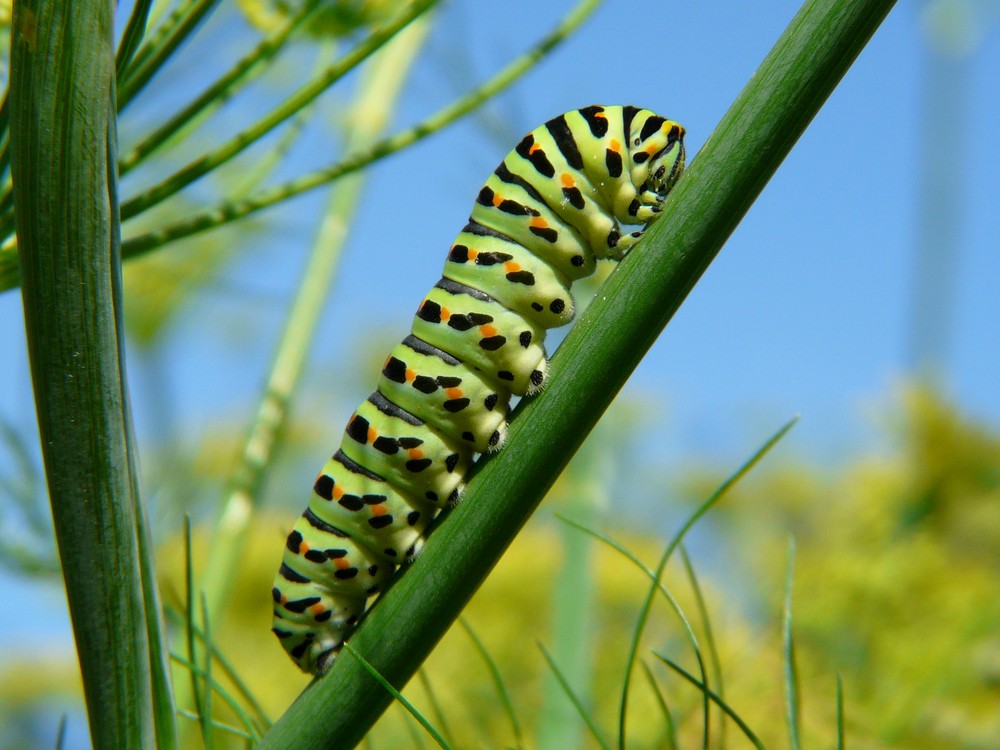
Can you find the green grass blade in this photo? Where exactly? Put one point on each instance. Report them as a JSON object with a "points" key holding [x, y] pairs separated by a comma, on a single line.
{"points": [[501, 688], [286, 110], [595, 731], [164, 709], [190, 625], [788, 649], [840, 713], [590, 367], [63, 145], [657, 585], [668, 718], [135, 29], [713, 653], [387, 686], [239, 74], [261, 719], [215, 687], [439, 714], [726, 709], [658, 573]]}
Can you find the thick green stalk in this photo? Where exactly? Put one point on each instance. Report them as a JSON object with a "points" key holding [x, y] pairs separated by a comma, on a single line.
{"points": [[63, 146], [594, 362]]}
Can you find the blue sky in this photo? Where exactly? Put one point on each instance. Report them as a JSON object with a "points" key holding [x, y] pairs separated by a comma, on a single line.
{"points": [[807, 309]]}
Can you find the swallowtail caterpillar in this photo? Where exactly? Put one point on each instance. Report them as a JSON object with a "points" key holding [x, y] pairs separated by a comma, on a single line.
{"points": [[555, 206]]}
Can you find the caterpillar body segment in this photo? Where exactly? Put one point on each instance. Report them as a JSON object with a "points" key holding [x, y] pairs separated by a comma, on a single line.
{"points": [[578, 189], [458, 401]]}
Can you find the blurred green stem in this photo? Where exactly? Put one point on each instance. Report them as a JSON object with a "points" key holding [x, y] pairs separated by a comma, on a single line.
{"points": [[367, 119], [287, 109]]}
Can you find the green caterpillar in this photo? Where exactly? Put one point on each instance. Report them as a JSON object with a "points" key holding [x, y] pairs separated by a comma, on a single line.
{"points": [[554, 207]]}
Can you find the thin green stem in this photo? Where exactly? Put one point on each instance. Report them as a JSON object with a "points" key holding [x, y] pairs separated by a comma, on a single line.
{"points": [[215, 95], [713, 652], [501, 688], [287, 109], [668, 719], [655, 577], [150, 59], [788, 648], [135, 30], [585, 714], [709, 502], [717, 700], [394, 693]]}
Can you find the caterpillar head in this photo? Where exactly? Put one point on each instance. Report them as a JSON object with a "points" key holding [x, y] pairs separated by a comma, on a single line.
{"points": [[657, 150]]}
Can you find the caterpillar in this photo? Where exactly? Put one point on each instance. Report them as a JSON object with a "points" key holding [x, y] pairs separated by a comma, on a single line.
{"points": [[559, 202]]}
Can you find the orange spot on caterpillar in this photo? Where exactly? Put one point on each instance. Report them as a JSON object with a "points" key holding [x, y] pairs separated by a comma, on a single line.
{"points": [[415, 453], [338, 492], [567, 180], [497, 200], [511, 267], [340, 563], [473, 254], [453, 393], [411, 375], [379, 510], [445, 313], [488, 331], [534, 147], [317, 609], [538, 223], [615, 146], [304, 547], [372, 434]]}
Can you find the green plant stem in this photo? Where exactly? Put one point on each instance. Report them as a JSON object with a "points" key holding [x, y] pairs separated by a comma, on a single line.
{"points": [[215, 95], [293, 104], [134, 32], [643, 618], [150, 59], [594, 362], [63, 146]]}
